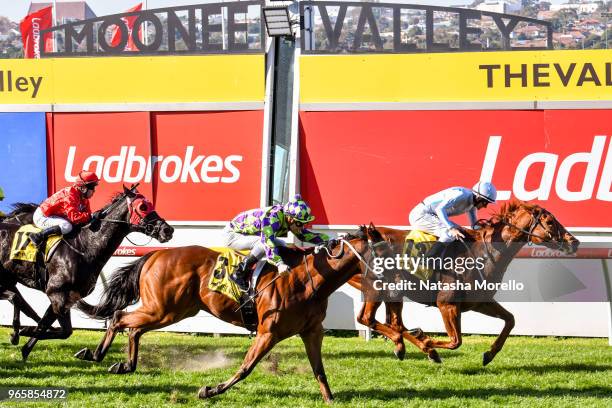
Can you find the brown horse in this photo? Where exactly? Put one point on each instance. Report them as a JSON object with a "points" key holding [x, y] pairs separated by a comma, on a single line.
{"points": [[173, 285], [498, 241]]}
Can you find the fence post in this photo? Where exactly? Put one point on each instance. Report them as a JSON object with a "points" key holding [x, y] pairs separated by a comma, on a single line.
{"points": [[606, 272]]}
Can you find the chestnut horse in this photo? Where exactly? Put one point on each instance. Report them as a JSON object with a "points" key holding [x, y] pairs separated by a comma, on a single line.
{"points": [[498, 241], [173, 285]]}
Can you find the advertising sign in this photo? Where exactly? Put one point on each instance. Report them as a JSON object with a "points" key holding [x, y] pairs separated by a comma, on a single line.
{"points": [[385, 162], [23, 155], [209, 164]]}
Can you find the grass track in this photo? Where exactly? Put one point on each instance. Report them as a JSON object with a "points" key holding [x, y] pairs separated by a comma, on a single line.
{"points": [[530, 372]]}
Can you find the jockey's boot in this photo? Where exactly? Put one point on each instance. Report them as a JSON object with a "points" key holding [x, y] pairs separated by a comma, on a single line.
{"points": [[39, 238], [241, 274]]}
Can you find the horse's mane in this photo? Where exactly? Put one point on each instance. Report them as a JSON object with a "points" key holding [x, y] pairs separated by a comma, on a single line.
{"points": [[509, 208], [22, 208]]}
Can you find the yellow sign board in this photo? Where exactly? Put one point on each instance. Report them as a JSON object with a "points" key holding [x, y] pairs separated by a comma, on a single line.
{"points": [[208, 78], [475, 76]]}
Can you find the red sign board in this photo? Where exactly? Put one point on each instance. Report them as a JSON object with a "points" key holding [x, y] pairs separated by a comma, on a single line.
{"points": [[114, 145], [194, 166], [210, 163], [377, 165]]}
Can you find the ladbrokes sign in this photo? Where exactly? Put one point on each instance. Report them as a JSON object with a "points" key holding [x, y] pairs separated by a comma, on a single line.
{"points": [[559, 159], [196, 166]]}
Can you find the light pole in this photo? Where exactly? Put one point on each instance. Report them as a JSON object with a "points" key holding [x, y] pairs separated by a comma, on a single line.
{"points": [[607, 15]]}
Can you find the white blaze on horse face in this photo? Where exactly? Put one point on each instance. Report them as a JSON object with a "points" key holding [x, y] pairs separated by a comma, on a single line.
{"points": [[592, 159]]}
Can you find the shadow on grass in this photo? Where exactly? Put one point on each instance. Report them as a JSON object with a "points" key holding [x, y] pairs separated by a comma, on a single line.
{"points": [[542, 369], [480, 393]]}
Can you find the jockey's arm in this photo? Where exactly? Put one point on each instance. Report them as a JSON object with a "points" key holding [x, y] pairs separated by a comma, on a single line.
{"points": [[268, 236], [312, 237], [472, 217], [74, 216], [441, 213]]}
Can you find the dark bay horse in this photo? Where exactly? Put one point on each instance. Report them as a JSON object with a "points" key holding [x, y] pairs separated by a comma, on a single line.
{"points": [[73, 270], [498, 241], [173, 285], [20, 215]]}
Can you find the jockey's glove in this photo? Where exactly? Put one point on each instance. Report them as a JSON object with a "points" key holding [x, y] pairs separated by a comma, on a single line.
{"points": [[331, 244], [283, 269]]}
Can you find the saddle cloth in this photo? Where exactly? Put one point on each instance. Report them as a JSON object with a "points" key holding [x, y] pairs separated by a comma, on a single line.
{"points": [[23, 249], [416, 245]]}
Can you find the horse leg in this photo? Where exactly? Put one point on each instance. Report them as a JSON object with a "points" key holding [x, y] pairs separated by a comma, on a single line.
{"points": [[107, 340], [260, 347], [16, 325], [139, 322], [64, 331], [20, 305], [494, 309], [43, 325], [451, 314], [367, 317], [313, 340]]}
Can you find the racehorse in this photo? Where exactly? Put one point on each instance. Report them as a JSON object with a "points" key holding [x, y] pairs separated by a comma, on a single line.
{"points": [[73, 270], [173, 285], [21, 215], [497, 241]]}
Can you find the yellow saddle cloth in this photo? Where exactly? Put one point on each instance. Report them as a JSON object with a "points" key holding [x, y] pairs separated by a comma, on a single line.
{"points": [[416, 245], [227, 261], [24, 250]]}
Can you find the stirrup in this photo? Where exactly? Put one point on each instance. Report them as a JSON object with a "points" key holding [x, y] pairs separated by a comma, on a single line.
{"points": [[238, 280]]}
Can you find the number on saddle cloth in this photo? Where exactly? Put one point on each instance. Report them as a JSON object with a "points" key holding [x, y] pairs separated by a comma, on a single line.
{"points": [[23, 249], [227, 261]]}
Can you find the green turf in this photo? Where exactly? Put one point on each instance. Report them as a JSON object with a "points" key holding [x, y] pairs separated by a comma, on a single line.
{"points": [[528, 372]]}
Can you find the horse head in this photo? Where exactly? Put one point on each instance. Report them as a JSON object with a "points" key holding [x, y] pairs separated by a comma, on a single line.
{"points": [[539, 227], [140, 215]]}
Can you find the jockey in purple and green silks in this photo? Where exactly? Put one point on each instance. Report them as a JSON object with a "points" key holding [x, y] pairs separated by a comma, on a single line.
{"points": [[258, 230]]}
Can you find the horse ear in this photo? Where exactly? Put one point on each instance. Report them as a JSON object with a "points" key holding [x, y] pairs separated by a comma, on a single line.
{"points": [[371, 226], [125, 190]]}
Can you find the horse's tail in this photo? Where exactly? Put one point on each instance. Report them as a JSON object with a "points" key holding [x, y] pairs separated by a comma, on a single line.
{"points": [[122, 290]]}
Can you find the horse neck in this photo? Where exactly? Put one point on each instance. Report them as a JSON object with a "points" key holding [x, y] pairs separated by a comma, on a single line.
{"points": [[502, 253], [100, 245], [325, 282]]}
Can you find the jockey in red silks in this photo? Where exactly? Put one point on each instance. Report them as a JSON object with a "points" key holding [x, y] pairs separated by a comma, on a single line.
{"points": [[69, 206]]}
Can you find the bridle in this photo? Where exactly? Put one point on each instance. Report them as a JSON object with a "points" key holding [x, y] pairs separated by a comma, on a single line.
{"points": [[144, 224], [371, 248], [536, 221]]}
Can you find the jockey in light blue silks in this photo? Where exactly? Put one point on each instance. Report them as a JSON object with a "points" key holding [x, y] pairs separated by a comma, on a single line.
{"points": [[432, 214]]}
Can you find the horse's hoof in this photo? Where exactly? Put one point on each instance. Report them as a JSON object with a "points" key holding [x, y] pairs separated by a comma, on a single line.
{"points": [[206, 392], [25, 352], [118, 368], [487, 357], [433, 356], [15, 339], [84, 354], [400, 353]]}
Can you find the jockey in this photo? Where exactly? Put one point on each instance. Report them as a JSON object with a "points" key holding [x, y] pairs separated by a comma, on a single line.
{"points": [[258, 231], [431, 215], [57, 214]]}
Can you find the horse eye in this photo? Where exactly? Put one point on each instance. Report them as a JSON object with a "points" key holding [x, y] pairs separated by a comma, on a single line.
{"points": [[142, 207]]}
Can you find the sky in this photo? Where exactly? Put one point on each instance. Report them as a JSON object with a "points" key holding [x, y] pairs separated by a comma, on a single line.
{"points": [[16, 9]]}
